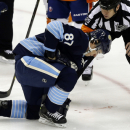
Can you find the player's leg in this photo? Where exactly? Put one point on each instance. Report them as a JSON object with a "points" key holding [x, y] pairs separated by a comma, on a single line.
{"points": [[35, 76], [88, 72], [58, 10], [19, 109], [28, 109], [34, 71], [31, 79], [45, 2], [33, 96], [56, 96], [6, 33], [13, 108], [79, 11]]}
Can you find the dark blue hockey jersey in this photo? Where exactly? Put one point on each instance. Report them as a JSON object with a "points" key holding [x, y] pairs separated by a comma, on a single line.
{"points": [[69, 40]]}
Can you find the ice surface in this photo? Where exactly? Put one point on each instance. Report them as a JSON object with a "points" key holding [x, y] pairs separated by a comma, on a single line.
{"points": [[104, 104]]}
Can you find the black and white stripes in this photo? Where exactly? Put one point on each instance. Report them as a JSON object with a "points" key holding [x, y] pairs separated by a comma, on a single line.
{"points": [[118, 23]]}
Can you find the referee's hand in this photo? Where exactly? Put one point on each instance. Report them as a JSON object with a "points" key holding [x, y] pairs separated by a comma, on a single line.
{"points": [[127, 47]]}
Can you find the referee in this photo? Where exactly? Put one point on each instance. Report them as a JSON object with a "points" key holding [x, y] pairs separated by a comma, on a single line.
{"points": [[112, 15]]}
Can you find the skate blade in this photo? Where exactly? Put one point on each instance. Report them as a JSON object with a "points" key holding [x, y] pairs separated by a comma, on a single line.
{"points": [[47, 122], [3, 60]]}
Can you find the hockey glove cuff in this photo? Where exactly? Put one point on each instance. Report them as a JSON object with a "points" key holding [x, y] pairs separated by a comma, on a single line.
{"points": [[50, 56]]}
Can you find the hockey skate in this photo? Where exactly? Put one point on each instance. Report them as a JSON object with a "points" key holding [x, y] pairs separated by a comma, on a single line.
{"points": [[87, 74], [65, 107], [3, 104], [52, 119], [6, 56]]}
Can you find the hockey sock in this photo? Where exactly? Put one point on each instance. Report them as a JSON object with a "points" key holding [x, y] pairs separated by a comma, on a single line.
{"points": [[13, 108], [55, 98], [19, 108]]}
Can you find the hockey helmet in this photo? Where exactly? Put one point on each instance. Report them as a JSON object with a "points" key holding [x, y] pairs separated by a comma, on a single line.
{"points": [[109, 4], [104, 40]]}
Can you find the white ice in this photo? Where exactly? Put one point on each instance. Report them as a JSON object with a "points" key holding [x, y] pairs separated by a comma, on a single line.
{"points": [[104, 104]]}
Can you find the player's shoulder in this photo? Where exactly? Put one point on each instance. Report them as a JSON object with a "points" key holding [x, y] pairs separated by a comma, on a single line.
{"points": [[70, 28]]}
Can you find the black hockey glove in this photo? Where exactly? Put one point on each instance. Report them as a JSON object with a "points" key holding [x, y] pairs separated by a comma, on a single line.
{"points": [[56, 57], [49, 56], [62, 59]]}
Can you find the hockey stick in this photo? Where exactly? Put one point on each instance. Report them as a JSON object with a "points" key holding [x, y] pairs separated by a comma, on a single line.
{"points": [[85, 66], [7, 93]]}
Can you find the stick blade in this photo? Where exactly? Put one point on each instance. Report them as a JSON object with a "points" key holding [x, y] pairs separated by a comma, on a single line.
{"points": [[4, 94]]}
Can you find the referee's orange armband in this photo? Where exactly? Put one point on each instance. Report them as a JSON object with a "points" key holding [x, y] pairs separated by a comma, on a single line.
{"points": [[90, 1], [86, 29]]}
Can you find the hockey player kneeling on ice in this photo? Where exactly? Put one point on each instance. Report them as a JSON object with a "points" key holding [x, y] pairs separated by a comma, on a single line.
{"points": [[47, 64]]}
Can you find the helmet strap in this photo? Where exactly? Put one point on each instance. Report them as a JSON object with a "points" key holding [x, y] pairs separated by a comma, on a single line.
{"points": [[90, 49]]}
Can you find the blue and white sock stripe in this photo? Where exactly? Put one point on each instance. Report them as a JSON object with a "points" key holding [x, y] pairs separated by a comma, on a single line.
{"points": [[19, 108], [33, 45], [56, 28], [57, 95], [40, 65]]}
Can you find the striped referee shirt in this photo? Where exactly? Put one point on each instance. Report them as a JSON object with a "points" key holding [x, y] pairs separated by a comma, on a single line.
{"points": [[118, 25]]}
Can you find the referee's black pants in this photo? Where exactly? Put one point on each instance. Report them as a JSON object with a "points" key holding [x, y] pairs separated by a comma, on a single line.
{"points": [[6, 26]]}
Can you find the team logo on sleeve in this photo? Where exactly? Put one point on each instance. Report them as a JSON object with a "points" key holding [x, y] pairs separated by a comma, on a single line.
{"points": [[109, 37], [87, 20], [121, 27], [50, 9]]}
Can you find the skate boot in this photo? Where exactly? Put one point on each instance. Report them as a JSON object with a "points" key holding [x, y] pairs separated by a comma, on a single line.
{"points": [[53, 119], [6, 56], [87, 74], [65, 107], [3, 104]]}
